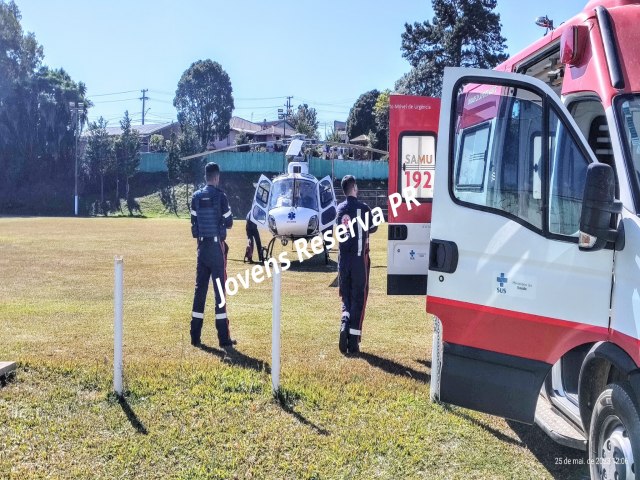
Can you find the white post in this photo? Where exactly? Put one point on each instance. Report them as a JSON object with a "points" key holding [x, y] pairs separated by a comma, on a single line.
{"points": [[275, 331], [117, 326]]}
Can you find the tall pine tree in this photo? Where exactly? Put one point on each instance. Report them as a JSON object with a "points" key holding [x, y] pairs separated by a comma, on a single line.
{"points": [[462, 33]]}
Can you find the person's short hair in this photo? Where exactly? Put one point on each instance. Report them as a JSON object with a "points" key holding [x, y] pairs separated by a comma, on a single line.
{"points": [[211, 170], [347, 183]]}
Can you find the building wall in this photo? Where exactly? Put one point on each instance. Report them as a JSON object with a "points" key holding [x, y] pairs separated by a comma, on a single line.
{"points": [[270, 163]]}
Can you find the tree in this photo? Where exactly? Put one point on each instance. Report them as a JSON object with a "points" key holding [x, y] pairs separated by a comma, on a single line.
{"points": [[333, 136], [204, 100], [173, 169], [361, 118], [157, 143], [189, 144], [305, 121], [242, 139], [381, 114], [100, 154], [462, 33], [128, 153]]}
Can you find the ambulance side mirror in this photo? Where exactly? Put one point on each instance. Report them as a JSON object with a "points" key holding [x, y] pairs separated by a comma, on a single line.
{"points": [[599, 208]]}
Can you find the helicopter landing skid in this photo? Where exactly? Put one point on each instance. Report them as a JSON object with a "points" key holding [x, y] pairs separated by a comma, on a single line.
{"points": [[270, 248]]}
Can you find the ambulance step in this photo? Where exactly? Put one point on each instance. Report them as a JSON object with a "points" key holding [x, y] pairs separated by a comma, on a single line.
{"points": [[557, 427], [6, 368]]}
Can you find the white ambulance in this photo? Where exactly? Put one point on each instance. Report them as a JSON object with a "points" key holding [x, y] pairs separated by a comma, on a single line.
{"points": [[534, 269]]}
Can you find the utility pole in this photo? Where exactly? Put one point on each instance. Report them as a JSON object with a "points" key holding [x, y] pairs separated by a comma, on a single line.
{"points": [[76, 108], [143, 98]]}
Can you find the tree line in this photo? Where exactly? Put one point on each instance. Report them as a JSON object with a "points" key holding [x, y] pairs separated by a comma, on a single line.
{"points": [[38, 130]]}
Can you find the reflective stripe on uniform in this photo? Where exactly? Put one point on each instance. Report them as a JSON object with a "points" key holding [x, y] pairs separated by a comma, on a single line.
{"points": [[194, 213], [197, 315], [228, 214], [359, 235], [221, 316], [353, 331]]}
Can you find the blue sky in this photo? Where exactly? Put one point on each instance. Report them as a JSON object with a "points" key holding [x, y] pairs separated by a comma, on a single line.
{"points": [[322, 53]]}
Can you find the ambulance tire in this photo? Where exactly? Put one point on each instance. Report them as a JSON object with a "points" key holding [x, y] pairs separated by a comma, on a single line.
{"points": [[614, 436]]}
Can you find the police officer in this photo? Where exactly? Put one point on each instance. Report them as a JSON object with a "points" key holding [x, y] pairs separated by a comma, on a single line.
{"points": [[210, 219], [253, 238], [353, 265]]}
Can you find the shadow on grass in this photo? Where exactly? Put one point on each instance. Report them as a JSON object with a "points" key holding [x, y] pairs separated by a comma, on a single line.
{"points": [[286, 401], [560, 461], [235, 357], [314, 264], [496, 433], [394, 368], [132, 417], [426, 363]]}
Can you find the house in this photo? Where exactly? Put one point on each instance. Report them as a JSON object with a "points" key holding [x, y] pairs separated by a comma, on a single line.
{"points": [[145, 132], [265, 131], [237, 126], [341, 129]]}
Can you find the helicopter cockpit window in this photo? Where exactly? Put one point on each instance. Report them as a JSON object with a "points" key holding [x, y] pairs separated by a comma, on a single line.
{"points": [[326, 194], [262, 193], [290, 193]]}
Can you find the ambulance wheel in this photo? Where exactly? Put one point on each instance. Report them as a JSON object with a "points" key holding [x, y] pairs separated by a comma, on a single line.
{"points": [[614, 435]]}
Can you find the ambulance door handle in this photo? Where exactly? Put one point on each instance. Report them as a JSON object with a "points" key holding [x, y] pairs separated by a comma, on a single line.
{"points": [[443, 256]]}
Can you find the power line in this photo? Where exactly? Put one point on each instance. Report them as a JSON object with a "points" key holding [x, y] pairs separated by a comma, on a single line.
{"points": [[108, 94], [115, 101]]}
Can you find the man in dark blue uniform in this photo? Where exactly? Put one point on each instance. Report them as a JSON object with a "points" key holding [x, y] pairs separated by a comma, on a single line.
{"points": [[210, 219], [353, 265]]}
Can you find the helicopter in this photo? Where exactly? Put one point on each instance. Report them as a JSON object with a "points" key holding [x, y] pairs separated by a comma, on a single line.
{"points": [[295, 204]]}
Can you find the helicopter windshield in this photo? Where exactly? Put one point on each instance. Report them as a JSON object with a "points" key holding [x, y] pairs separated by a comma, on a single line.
{"points": [[283, 194]]}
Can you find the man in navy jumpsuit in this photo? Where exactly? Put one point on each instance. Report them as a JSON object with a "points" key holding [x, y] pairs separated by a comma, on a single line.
{"points": [[353, 266], [210, 219]]}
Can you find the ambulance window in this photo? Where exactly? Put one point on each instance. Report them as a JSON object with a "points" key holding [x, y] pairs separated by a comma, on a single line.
{"points": [[417, 165], [499, 150], [629, 117], [568, 170], [472, 164]]}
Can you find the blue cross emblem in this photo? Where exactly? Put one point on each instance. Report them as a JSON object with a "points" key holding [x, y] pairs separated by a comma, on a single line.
{"points": [[412, 253], [502, 279], [291, 215]]}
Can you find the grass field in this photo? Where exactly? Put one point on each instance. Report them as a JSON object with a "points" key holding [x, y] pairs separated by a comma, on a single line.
{"points": [[191, 413]]}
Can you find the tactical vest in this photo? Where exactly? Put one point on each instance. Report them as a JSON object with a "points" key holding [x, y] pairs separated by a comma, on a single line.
{"points": [[208, 211]]}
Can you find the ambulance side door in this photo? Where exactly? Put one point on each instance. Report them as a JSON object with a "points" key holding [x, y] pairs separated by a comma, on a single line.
{"points": [[507, 283]]}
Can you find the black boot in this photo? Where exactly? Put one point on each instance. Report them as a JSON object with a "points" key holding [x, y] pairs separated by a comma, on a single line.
{"points": [[354, 347], [343, 343], [196, 330]]}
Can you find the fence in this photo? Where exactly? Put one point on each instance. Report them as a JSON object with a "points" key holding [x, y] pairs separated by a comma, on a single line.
{"points": [[259, 162]]}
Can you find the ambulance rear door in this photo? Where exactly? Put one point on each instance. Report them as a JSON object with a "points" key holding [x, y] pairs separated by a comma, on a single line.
{"points": [[413, 125]]}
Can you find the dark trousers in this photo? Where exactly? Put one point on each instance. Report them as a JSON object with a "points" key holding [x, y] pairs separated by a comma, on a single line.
{"points": [[253, 237], [212, 265], [353, 272]]}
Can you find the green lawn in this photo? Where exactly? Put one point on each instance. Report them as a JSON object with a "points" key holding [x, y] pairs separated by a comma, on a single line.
{"points": [[191, 413]]}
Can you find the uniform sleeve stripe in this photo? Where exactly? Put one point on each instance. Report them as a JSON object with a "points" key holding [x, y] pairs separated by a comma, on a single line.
{"points": [[228, 214], [353, 331]]}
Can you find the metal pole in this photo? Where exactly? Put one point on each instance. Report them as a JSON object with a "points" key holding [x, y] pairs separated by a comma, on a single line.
{"points": [[117, 326], [76, 169], [275, 331]]}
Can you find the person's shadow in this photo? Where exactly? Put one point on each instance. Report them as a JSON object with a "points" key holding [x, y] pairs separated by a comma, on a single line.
{"points": [[394, 368], [235, 357]]}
